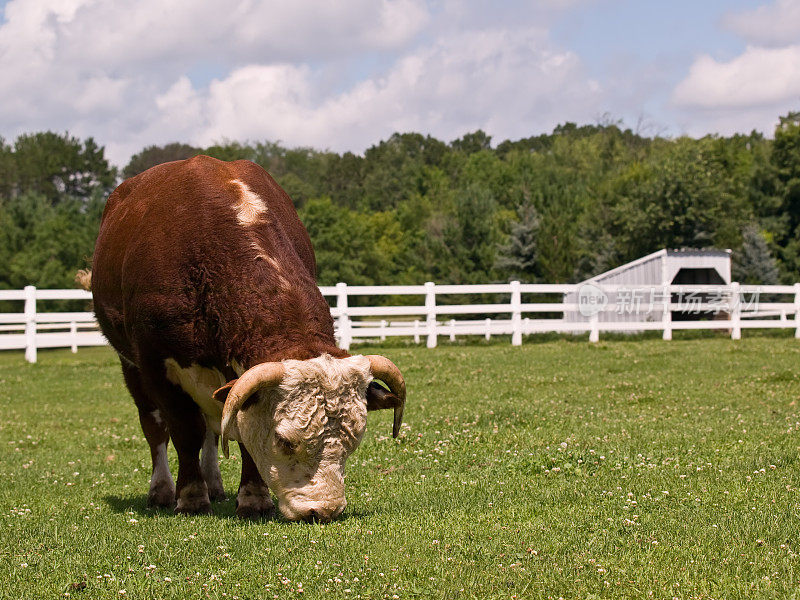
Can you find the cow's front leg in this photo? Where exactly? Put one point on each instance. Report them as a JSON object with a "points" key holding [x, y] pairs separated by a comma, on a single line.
{"points": [[188, 434], [209, 465], [253, 500]]}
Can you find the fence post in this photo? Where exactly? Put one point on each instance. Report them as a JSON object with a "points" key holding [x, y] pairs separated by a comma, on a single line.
{"points": [[73, 334], [383, 329], [488, 328], [797, 310], [430, 305], [345, 333], [594, 332], [416, 331], [516, 314], [30, 323], [452, 330], [666, 317], [736, 314]]}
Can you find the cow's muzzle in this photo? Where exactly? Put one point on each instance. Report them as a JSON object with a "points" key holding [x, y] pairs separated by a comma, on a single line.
{"points": [[313, 512]]}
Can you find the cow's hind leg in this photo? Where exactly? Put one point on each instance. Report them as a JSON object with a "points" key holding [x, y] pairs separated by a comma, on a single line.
{"points": [[253, 500], [209, 465], [162, 488], [187, 430]]}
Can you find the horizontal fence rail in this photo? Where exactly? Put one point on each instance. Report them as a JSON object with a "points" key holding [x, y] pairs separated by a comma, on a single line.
{"points": [[446, 310]]}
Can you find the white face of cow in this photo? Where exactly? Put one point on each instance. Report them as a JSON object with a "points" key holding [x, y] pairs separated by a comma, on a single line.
{"points": [[301, 433]]}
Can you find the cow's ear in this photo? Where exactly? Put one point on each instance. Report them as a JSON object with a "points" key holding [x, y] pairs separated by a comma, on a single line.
{"points": [[378, 397], [222, 393]]}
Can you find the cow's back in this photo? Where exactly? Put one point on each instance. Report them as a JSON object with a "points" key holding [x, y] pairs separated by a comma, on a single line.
{"points": [[189, 251]]}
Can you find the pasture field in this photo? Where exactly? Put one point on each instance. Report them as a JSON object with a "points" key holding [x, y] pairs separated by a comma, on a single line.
{"points": [[626, 469]]}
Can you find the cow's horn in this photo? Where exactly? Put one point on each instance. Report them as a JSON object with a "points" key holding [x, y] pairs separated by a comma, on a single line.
{"points": [[260, 377], [385, 370]]}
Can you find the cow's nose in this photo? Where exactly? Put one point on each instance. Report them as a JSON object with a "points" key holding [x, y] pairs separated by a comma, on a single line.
{"points": [[324, 513], [320, 514]]}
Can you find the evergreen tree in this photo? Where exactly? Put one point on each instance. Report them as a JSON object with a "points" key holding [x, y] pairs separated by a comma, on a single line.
{"points": [[754, 263], [518, 256]]}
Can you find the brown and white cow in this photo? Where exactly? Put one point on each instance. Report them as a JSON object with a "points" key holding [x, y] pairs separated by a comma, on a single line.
{"points": [[204, 283]]}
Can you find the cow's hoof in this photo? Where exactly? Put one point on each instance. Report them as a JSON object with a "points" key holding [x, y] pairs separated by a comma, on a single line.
{"points": [[253, 502], [198, 507], [216, 494], [193, 500], [161, 496], [244, 511]]}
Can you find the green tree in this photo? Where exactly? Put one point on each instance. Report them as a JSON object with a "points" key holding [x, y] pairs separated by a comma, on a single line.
{"points": [[45, 244], [60, 166], [156, 155], [783, 185], [464, 242], [680, 198], [8, 170], [473, 142], [343, 179], [394, 169], [353, 247], [230, 150]]}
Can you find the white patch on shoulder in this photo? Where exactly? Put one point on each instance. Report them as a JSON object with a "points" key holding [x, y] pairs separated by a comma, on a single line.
{"points": [[200, 383], [250, 208]]}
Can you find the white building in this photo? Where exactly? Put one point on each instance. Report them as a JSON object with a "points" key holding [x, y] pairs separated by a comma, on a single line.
{"points": [[646, 278]]}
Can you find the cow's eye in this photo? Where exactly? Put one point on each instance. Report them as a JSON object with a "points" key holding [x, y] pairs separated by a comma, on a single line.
{"points": [[285, 445]]}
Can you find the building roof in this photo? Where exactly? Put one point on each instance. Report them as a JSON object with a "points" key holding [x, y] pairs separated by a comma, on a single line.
{"points": [[697, 252], [671, 253]]}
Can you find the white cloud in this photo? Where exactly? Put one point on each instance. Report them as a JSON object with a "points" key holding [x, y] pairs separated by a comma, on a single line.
{"points": [[121, 72], [116, 70], [115, 34], [758, 77], [501, 81], [777, 24], [752, 89]]}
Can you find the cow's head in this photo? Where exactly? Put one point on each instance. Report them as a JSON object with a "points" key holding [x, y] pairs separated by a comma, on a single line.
{"points": [[301, 419]]}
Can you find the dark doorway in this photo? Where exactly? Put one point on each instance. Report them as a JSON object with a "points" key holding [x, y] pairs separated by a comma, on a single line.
{"points": [[705, 276]]}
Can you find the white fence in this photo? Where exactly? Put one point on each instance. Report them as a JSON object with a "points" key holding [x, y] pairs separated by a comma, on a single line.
{"points": [[30, 330], [445, 310]]}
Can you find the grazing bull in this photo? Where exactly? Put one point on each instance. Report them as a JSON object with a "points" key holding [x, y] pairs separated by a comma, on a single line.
{"points": [[204, 283]]}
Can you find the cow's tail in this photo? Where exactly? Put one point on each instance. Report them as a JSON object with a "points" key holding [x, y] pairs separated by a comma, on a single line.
{"points": [[84, 279]]}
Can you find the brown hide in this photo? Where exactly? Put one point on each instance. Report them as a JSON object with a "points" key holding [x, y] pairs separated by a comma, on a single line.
{"points": [[175, 274]]}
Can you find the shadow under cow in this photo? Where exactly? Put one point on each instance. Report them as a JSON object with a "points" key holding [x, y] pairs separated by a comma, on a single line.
{"points": [[136, 504]]}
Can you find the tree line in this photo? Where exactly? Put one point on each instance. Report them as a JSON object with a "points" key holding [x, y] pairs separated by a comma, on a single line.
{"points": [[552, 208]]}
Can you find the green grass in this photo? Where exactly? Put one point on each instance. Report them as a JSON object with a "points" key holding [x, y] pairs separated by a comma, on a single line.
{"points": [[625, 469]]}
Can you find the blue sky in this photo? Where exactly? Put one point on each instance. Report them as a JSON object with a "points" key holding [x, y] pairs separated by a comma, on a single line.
{"points": [[623, 38], [679, 28], [345, 75]]}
